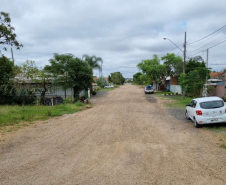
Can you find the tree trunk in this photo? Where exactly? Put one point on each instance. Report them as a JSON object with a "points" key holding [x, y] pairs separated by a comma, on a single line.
{"points": [[43, 92], [76, 96]]}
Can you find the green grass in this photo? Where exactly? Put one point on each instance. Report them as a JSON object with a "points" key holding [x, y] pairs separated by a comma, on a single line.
{"points": [[179, 101], [216, 128], [103, 89], [159, 93], [11, 115], [223, 145]]}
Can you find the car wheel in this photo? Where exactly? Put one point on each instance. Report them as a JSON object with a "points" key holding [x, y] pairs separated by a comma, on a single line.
{"points": [[186, 115], [196, 124]]}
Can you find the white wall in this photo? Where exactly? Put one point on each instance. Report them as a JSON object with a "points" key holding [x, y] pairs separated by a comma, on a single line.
{"points": [[58, 91], [176, 89]]}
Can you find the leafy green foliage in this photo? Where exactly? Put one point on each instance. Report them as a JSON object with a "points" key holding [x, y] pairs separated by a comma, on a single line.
{"points": [[152, 68], [101, 81], [6, 70], [136, 78], [194, 63], [117, 78], [7, 36], [193, 81], [174, 64], [93, 61], [70, 72], [6, 73], [109, 78]]}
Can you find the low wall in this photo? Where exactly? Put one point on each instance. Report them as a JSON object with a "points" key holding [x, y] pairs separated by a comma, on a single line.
{"points": [[176, 89]]}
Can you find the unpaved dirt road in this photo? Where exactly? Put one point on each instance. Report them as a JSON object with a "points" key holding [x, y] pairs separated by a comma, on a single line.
{"points": [[124, 139]]}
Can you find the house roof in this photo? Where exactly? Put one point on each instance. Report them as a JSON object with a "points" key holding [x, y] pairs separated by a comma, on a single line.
{"points": [[215, 74]]}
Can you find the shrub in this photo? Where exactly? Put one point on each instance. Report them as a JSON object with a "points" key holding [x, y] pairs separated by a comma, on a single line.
{"points": [[94, 93], [224, 98]]}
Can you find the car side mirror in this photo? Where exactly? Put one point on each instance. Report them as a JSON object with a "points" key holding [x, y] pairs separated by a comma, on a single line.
{"points": [[189, 105]]}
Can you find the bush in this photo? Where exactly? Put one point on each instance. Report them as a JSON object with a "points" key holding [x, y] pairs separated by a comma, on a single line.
{"points": [[94, 93], [101, 82], [224, 98]]}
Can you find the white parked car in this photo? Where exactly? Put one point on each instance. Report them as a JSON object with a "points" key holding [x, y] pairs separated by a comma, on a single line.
{"points": [[108, 86], [206, 110], [148, 89]]}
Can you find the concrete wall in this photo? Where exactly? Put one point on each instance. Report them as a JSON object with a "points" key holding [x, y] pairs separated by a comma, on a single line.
{"points": [[176, 89], [219, 91], [155, 86]]}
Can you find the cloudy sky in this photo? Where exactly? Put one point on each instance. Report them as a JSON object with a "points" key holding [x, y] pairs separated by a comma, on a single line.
{"points": [[122, 33]]}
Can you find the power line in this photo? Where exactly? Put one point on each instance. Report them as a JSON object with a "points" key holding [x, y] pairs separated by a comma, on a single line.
{"points": [[213, 42], [209, 47], [208, 35]]}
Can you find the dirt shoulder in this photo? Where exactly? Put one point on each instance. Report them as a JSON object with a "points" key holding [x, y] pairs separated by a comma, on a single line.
{"points": [[124, 139]]}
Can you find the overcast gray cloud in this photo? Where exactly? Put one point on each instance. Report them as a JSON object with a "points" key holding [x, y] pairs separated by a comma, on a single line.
{"points": [[121, 32]]}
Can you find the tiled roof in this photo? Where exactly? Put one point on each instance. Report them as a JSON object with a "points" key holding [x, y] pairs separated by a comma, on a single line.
{"points": [[215, 74]]}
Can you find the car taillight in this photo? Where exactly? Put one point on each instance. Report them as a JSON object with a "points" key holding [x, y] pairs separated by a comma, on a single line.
{"points": [[199, 112], [225, 110]]}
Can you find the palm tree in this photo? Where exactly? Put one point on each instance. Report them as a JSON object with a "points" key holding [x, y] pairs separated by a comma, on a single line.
{"points": [[93, 62]]}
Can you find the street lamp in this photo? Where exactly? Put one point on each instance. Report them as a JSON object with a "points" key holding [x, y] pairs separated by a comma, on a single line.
{"points": [[180, 49], [173, 43]]}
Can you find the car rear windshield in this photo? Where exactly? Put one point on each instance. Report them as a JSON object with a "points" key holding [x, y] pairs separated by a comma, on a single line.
{"points": [[149, 87], [212, 104]]}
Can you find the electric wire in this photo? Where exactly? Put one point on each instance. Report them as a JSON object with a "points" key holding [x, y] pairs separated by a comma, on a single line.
{"points": [[208, 35], [213, 42]]}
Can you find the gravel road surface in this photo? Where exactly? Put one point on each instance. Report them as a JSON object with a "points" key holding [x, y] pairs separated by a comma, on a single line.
{"points": [[124, 139]]}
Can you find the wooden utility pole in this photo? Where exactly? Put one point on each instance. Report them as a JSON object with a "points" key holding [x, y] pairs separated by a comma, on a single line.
{"points": [[184, 53]]}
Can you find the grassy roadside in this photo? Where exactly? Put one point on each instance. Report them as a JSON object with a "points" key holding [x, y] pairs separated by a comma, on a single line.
{"points": [[180, 102], [12, 115], [161, 93], [109, 89], [177, 101]]}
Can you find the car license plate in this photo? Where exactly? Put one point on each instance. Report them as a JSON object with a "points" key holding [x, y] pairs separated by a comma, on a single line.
{"points": [[214, 119]]}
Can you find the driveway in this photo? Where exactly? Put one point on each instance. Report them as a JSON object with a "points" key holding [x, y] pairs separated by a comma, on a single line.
{"points": [[124, 139]]}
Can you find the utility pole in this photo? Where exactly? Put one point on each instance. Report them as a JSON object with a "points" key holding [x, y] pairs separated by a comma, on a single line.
{"points": [[207, 57], [184, 53], [12, 54]]}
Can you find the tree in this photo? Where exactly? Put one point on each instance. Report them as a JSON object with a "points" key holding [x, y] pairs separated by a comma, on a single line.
{"points": [[174, 64], [6, 73], [194, 63], [117, 78], [192, 82], [136, 77], [101, 81], [70, 72], [60, 69], [7, 35], [93, 63], [154, 70], [109, 78]]}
